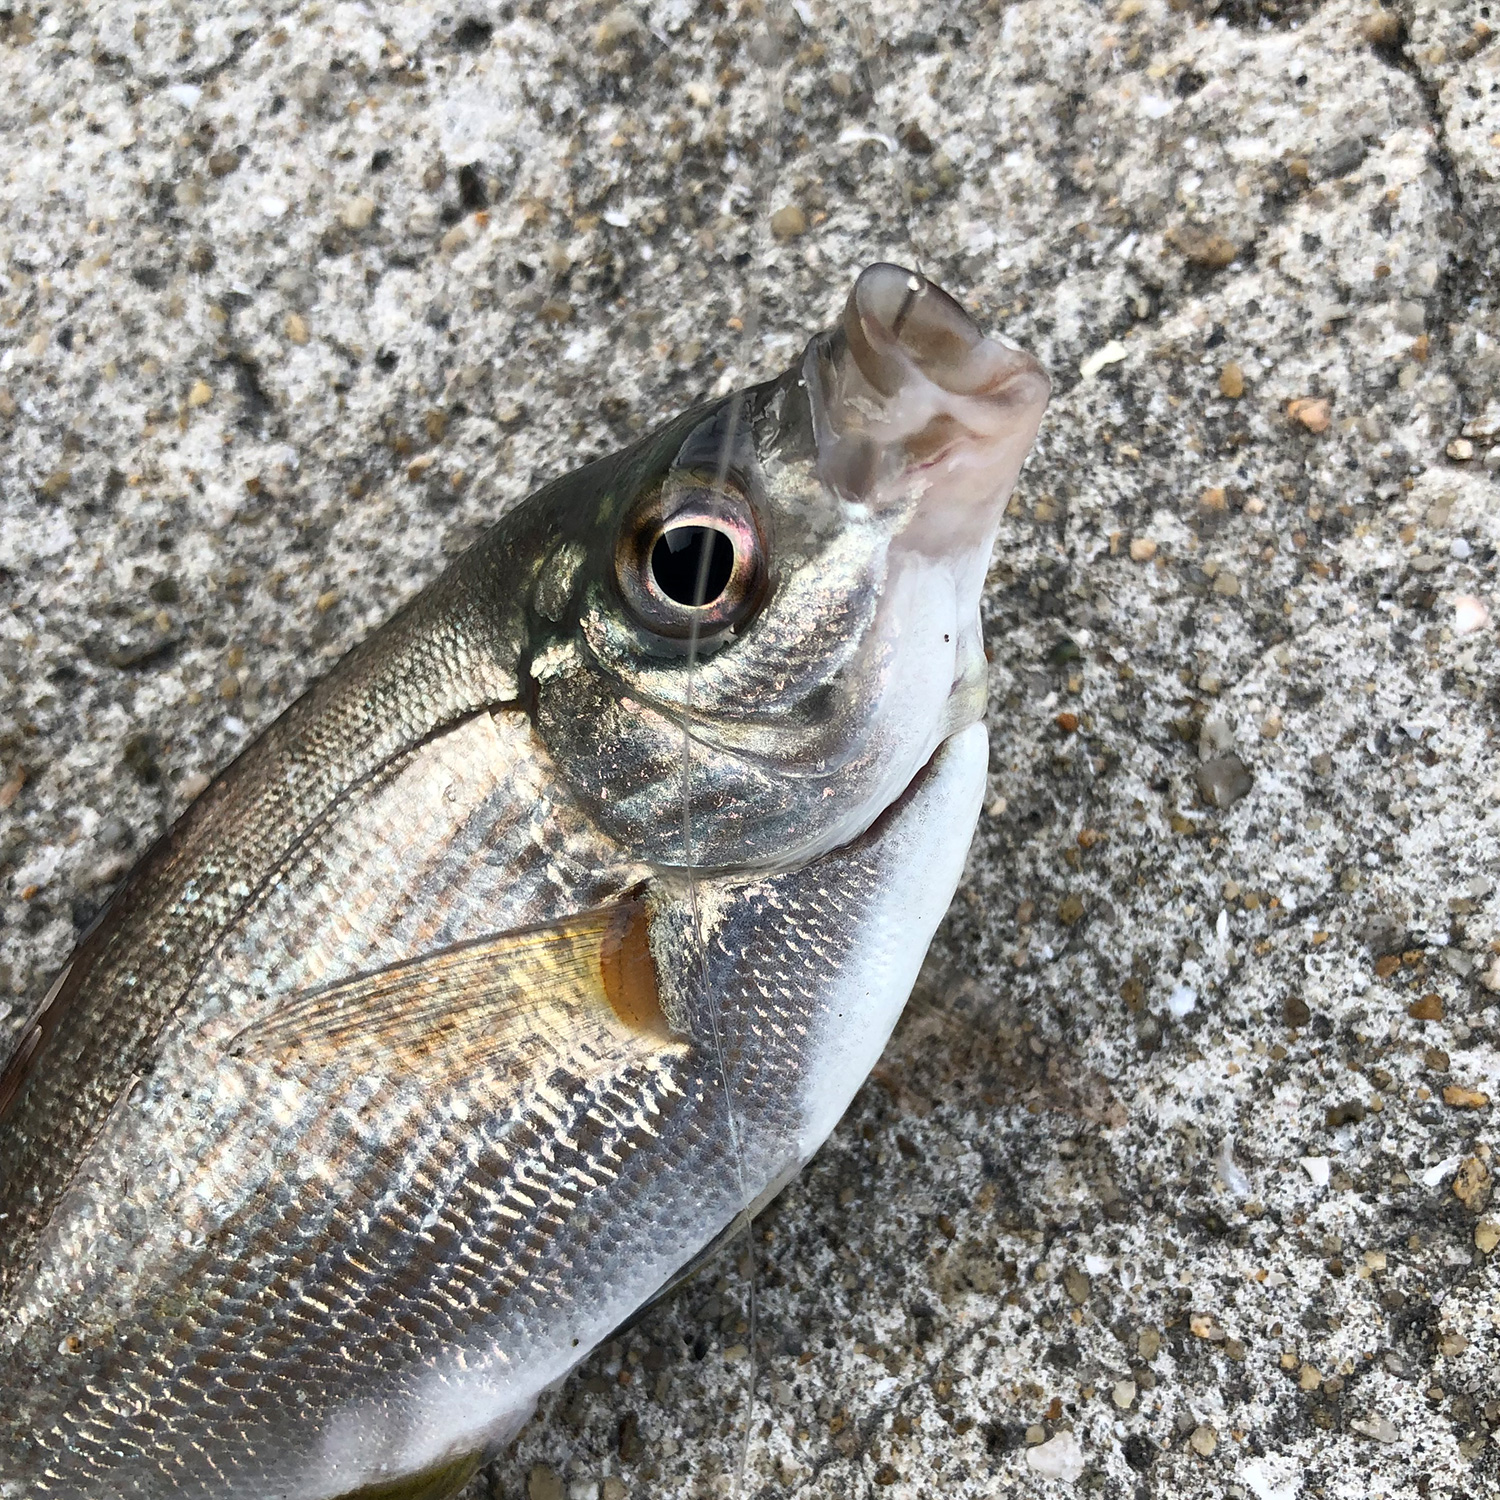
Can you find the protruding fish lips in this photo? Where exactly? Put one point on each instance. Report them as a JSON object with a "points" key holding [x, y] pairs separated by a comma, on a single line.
{"points": [[907, 387], [916, 412]]}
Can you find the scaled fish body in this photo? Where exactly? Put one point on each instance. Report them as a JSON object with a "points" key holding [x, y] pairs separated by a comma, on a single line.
{"points": [[550, 932]]}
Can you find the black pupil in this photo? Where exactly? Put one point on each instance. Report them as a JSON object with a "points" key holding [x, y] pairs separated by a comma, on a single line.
{"points": [[692, 564]]}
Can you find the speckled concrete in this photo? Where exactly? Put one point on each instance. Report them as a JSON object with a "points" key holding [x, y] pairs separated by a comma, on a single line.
{"points": [[1177, 1179]]}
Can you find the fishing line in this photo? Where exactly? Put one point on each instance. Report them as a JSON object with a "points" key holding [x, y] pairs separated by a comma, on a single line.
{"points": [[865, 41], [774, 79]]}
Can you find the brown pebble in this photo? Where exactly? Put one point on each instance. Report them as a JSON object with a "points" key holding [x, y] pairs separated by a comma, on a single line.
{"points": [[1381, 28], [1457, 1097], [1313, 412], [296, 328], [1142, 549], [1070, 910], [543, 1483], [1205, 247], [788, 222], [1428, 1008], [12, 787], [1232, 381], [1295, 1012], [1068, 723], [1387, 964], [1471, 1184], [222, 163]]}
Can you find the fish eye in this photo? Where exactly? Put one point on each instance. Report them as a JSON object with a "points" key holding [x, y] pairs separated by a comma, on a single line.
{"points": [[692, 564]]}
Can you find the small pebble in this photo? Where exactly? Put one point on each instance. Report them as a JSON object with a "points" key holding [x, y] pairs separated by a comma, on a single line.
{"points": [[1381, 28], [192, 786], [1232, 381], [1457, 1097], [1314, 412], [1487, 1236], [788, 222], [1142, 549], [1124, 1394], [1469, 614], [200, 393], [1375, 1426], [1204, 1440], [1060, 1457], [543, 1483], [357, 212], [296, 328], [1316, 1168], [1223, 781], [1206, 248]]}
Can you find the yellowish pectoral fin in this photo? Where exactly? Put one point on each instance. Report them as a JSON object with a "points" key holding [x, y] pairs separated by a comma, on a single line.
{"points": [[508, 1000]]}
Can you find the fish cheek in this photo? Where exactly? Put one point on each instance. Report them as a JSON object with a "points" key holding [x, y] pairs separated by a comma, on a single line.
{"points": [[624, 762]]}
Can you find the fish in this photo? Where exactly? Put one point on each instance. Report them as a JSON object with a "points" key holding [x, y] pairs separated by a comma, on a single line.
{"points": [[527, 954]]}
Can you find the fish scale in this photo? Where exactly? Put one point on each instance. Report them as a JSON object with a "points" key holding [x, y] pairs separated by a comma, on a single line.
{"points": [[414, 1062]]}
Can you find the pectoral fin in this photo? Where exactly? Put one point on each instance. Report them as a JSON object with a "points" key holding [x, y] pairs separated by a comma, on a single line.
{"points": [[505, 1001]]}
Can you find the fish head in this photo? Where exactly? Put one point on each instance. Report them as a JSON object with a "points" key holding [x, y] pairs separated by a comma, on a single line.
{"points": [[752, 643]]}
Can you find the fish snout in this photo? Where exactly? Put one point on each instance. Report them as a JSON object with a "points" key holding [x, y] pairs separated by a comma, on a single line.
{"points": [[907, 389], [897, 323]]}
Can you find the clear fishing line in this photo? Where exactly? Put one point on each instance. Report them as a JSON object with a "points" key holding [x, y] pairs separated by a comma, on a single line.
{"points": [[766, 49], [885, 128]]}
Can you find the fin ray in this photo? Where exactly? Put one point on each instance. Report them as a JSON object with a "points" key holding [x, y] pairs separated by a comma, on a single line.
{"points": [[508, 999]]}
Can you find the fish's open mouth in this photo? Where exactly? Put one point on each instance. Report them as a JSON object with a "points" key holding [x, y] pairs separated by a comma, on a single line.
{"points": [[907, 384]]}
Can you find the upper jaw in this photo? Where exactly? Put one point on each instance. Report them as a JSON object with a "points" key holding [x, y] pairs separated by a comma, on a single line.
{"points": [[910, 400]]}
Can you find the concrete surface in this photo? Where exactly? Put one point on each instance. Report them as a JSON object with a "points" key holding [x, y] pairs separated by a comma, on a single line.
{"points": [[1177, 1178]]}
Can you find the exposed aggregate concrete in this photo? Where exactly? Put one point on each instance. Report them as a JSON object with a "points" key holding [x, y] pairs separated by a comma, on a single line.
{"points": [[1178, 1177]]}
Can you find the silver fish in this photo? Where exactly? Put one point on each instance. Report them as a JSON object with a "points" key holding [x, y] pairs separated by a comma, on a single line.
{"points": [[544, 938]]}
